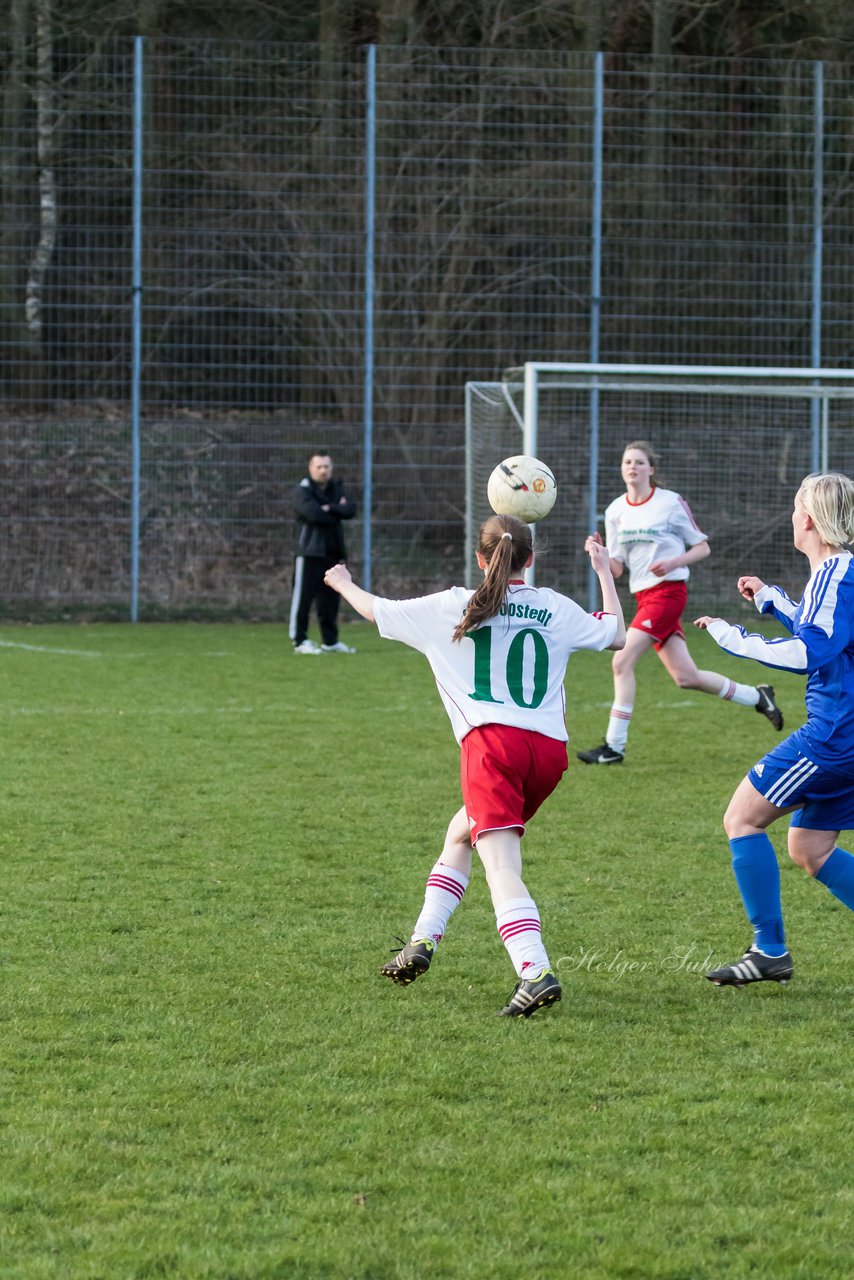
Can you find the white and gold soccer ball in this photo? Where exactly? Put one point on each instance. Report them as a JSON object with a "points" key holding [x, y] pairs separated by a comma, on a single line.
{"points": [[523, 487]]}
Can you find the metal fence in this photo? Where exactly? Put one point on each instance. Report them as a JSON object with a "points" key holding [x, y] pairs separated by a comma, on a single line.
{"points": [[214, 258]]}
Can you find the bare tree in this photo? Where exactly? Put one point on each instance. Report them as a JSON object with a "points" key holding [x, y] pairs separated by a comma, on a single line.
{"points": [[14, 174], [45, 141]]}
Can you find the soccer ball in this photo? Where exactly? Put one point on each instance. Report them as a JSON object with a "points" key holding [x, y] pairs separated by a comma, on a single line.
{"points": [[523, 487]]}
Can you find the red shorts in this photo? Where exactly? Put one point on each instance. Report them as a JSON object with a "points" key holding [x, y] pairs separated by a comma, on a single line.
{"points": [[659, 610], [506, 774]]}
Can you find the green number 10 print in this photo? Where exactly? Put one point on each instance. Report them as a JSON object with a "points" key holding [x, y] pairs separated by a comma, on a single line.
{"points": [[515, 666]]}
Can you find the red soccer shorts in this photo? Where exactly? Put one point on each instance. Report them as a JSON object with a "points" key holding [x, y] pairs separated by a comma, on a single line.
{"points": [[659, 610], [506, 774]]}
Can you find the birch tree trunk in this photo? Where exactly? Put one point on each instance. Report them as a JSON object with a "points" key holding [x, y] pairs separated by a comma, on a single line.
{"points": [[13, 206], [45, 129]]}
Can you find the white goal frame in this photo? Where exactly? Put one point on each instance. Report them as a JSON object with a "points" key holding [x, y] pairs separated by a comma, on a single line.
{"points": [[818, 386]]}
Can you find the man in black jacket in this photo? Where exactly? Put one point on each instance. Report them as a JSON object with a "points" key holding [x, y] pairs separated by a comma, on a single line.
{"points": [[320, 505]]}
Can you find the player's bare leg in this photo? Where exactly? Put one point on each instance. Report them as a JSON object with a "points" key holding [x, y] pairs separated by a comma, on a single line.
{"points": [[518, 923], [446, 886], [457, 850], [820, 856], [684, 672], [624, 662], [811, 849], [625, 684]]}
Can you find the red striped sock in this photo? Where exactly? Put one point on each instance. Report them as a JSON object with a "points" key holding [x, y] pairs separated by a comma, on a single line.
{"points": [[443, 894], [746, 695], [518, 922], [618, 726]]}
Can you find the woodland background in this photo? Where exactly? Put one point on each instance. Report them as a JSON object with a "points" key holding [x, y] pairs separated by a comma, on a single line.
{"points": [[253, 258]]}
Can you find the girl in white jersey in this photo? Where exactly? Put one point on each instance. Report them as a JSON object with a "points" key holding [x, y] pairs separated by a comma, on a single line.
{"points": [[499, 656], [653, 531]]}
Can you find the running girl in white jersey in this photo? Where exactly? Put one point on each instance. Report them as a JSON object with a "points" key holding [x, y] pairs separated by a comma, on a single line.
{"points": [[499, 657], [653, 531], [812, 771]]}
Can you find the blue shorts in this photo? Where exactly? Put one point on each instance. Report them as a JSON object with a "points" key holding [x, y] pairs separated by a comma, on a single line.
{"points": [[824, 800]]}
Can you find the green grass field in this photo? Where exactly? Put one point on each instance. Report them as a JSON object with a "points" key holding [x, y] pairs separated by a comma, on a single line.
{"points": [[208, 847]]}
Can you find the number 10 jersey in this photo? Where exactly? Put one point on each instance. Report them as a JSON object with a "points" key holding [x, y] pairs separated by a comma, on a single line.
{"points": [[510, 670]]}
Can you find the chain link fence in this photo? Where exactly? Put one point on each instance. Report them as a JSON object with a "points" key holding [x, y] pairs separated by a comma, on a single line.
{"points": [[329, 248]]}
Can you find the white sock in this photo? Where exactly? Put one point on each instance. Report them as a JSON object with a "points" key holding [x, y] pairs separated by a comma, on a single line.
{"points": [[746, 695], [618, 726], [518, 923], [443, 894]]}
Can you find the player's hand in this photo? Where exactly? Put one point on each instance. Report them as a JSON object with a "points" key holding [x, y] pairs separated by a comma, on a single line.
{"points": [[599, 557], [703, 623], [594, 538], [748, 586], [662, 567], [337, 577]]}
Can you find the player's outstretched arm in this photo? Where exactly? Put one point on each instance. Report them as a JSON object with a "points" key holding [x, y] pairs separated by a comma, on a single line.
{"points": [[601, 562], [783, 655], [339, 579]]}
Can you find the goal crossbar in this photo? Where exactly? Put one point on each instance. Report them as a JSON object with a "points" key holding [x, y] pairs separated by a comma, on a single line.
{"points": [[504, 417]]}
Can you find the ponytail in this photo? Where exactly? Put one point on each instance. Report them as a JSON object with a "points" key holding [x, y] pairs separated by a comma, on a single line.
{"points": [[506, 545]]}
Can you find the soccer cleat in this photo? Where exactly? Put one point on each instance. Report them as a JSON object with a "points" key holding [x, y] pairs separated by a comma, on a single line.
{"points": [[411, 962], [532, 994], [753, 967], [601, 755], [307, 646], [338, 647], [767, 706]]}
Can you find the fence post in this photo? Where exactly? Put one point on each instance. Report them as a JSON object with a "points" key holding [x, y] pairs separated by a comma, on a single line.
{"points": [[136, 325], [595, 303], [817, 245], [370, 228]]}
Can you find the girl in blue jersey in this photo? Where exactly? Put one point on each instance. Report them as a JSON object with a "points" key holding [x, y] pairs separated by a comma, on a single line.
{"points": [[811, 773]]}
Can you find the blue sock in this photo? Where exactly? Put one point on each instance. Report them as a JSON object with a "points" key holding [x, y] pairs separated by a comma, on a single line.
{"points": [[837, 875], [758, 878]]}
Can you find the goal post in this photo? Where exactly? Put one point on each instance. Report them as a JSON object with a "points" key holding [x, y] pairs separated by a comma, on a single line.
{"points": [[735, 441]]}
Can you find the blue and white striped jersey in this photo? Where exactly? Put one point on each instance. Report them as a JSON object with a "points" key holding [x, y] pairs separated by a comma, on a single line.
{"points": [[821, 646]]}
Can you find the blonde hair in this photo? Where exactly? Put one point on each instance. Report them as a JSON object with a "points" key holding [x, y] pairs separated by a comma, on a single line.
{"points": [[828, 497], [506, 545], [645, 447]]}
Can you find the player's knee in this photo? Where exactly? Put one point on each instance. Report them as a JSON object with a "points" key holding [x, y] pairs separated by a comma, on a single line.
{"points": [[808, 859], [800, 859], [621, 663], [735, 824], [687, 679]]}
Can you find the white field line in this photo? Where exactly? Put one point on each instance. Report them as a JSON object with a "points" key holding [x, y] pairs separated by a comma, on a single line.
{"points": [[43, 648], [91, 653], [664, 706], [170, 712]]}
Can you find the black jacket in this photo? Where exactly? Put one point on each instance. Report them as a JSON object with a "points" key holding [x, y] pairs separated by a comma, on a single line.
{"points": [[318, 532]]}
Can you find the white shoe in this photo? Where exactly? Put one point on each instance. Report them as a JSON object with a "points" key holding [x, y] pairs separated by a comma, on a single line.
{"points": [[340, 647], [307, 646]]}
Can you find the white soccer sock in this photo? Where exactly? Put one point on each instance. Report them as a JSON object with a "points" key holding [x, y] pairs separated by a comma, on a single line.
{"points": [[518, 923], [746, 695], [444, 893], [618, 726]]}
